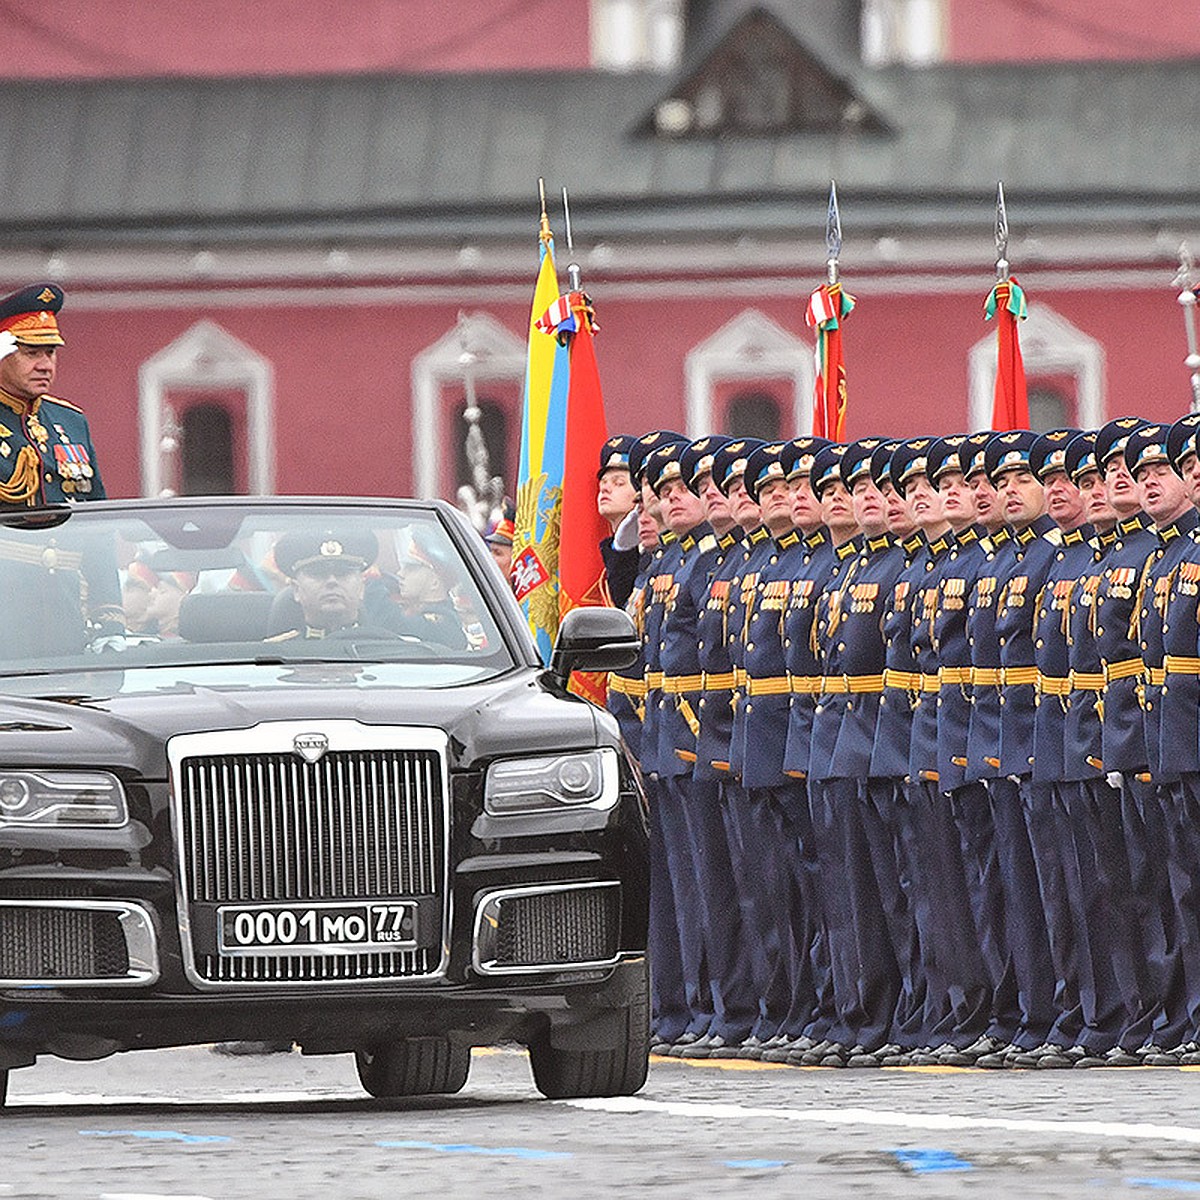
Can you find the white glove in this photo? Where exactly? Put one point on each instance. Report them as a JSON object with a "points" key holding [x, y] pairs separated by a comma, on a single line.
{"points": [[1115, 780], [626, 535], [110, 642]]}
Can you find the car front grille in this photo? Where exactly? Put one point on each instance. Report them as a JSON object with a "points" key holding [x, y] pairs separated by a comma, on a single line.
{"points": [[270, 827]]}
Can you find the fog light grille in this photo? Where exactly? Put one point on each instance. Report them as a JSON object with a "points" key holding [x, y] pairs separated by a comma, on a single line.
{"points": [[56, 944], [552, 927]]}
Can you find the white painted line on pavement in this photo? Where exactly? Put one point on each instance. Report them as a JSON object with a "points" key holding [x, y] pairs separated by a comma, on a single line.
{"points": [[883, 1118], [149, 1196]]}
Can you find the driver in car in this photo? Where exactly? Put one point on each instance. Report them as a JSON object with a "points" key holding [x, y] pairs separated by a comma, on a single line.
{"points": [[327, 577]]}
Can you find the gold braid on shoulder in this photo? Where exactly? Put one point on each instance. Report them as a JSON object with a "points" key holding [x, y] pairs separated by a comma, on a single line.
{"points": [[22, 484]]}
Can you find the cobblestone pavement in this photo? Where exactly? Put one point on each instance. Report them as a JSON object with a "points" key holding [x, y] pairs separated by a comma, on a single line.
{"points": [[189, 1123]]}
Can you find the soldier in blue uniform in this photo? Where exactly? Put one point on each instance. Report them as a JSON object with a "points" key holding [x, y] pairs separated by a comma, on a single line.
{"points": [[680, 479], [874, 957], [958, 987], [1166, 621], [1107, 901], [672, 1019], [1026, 945], [776, 823]]}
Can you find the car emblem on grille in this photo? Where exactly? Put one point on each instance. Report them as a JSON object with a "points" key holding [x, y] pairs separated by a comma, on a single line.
{"points": [[310, 746]]}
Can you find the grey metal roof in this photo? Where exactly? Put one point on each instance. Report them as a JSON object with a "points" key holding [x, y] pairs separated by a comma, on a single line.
{"points": [[439, 157]]}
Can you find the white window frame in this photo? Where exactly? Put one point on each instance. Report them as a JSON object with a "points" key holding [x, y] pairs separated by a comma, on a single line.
{"points": [[206, 356], [749, 347], [1050, 345], [478, 347]]}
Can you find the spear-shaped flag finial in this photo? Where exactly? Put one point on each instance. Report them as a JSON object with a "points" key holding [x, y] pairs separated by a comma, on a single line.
{"points": [[1185, 280], [833, 234], [1001, 234], [827, 308], [1006, 302]]}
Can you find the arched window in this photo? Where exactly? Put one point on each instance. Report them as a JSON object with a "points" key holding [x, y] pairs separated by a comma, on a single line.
{"points": [[753, 414], [206, 451]]}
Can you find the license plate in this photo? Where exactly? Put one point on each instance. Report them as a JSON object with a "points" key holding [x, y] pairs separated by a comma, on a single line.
{"points": [[289, 929]]}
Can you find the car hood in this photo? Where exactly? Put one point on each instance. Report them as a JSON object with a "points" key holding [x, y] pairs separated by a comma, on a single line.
{"points": [[126, 729]]}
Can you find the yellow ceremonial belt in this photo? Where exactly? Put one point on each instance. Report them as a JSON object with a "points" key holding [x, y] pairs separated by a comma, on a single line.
{"points": [[740, 678], [1175, 664], [1054, 685], [847, 685], [627, 686], [712, 682], [930, 683], [676, 685], [1018, 675], [910, 681], [985, 676], [654, 680], [1156, 675], [1086, 681], [804, 685], [774, 685], [1127, 668], [954, 675]]}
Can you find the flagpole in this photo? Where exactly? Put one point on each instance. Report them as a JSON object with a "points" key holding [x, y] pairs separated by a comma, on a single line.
{"points": [[1185, 280], [573, 276], [1006, 302], [1001, 236]]}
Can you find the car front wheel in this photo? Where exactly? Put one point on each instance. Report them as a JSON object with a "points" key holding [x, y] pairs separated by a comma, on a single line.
{"points": [[619, 1070], [413, 1067]]}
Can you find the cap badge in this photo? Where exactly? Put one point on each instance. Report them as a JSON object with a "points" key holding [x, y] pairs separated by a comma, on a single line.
{"points": [[331, 549], [45, 295]]}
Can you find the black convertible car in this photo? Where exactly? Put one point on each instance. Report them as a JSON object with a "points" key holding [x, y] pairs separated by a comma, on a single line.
{"points": [[289, 768]]}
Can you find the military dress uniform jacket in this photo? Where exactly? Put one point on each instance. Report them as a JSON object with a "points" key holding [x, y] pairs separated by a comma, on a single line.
{"points": [[664, 560], [743, 591], [1115, 621], [850, 634], [715, 708], [922, 745], [1034, 548], [679, 656], [893, 728], [46, 453], [1052, 656], [1083, 739], [626, 696], [760, 723], [1167, 612], [955, 585], [801, 650], [983, 738]]}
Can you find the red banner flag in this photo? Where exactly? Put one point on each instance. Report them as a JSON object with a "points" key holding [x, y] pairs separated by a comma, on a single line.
{"points": [[828, 306], [580, 567], [1010, 405]]}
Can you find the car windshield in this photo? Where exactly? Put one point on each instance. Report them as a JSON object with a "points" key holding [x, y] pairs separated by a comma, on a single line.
{"points": [[128, 585]]}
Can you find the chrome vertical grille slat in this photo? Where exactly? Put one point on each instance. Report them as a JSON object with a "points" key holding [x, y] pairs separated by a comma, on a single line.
{"points": [[269, 828]]}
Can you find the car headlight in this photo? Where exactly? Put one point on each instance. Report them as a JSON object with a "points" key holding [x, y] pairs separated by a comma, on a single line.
{"points": [[83, 798], [520, 785]]}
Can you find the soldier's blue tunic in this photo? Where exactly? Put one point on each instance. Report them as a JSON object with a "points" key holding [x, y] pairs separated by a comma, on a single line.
{"points": [[983, 738], [626, 697], [922, 749], [866, 917], [715, 706], [801, 661]]}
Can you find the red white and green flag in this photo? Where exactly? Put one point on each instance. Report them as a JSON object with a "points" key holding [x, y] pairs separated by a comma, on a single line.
{"points": [[1010, 405], [828, 307]]}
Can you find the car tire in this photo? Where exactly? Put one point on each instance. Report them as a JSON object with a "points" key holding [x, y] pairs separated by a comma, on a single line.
{"points": [[562, 1074], [413, 1067]]}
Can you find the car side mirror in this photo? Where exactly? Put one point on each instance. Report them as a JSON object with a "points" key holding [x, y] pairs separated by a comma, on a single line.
{"points": [[594, 639]]}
